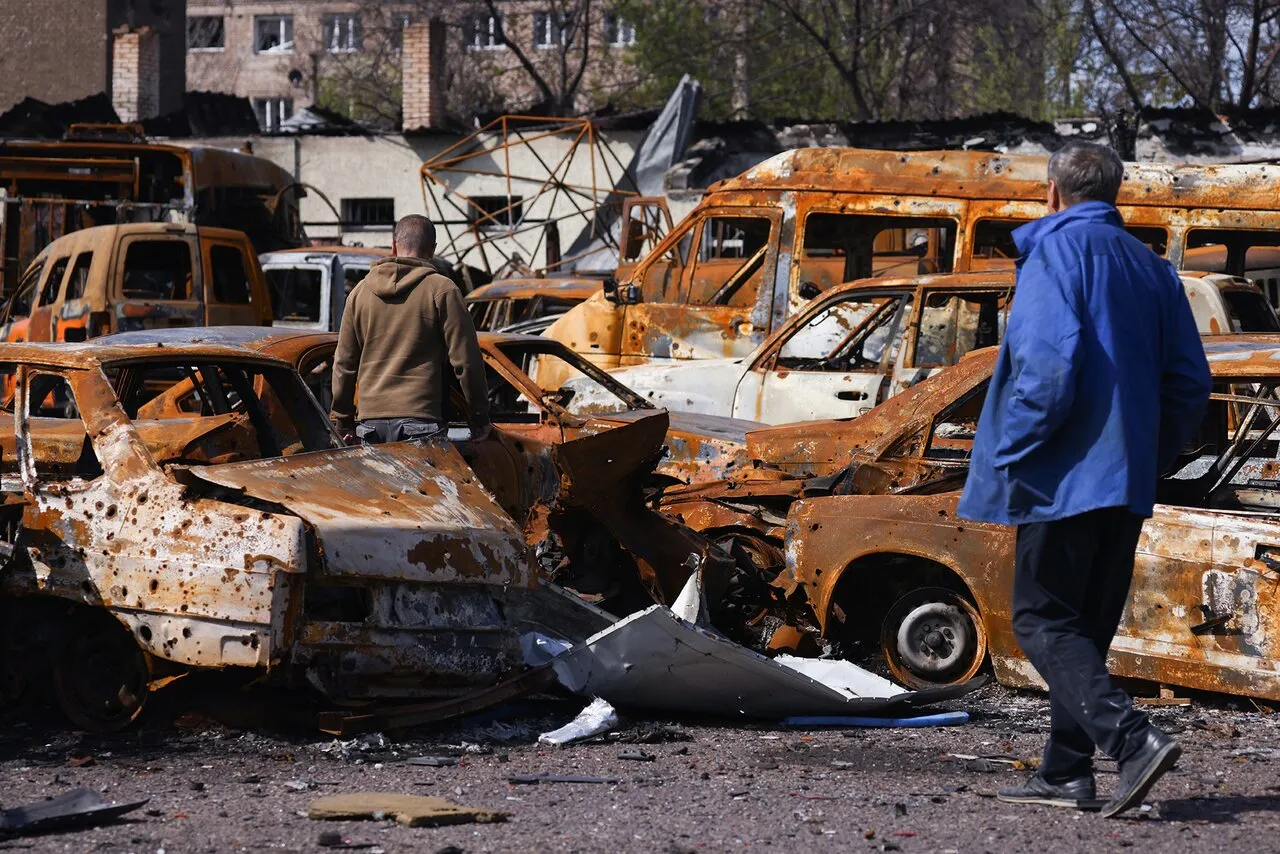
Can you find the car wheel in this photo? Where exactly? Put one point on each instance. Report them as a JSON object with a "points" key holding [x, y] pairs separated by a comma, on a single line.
{"points": [[100, 678], [933, 636]]}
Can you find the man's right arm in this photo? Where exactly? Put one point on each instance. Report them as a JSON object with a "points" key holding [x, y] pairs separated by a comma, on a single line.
{"points": [[346, 366], [463, 347], [1185, 383]]}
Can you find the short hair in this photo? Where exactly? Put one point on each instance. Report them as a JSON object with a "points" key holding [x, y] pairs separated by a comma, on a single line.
{"points": [[415, 236], [1086, 172]]}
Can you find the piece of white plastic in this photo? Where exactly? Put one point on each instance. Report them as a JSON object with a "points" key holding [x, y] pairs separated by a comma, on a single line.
{"points": [[596, 718]]}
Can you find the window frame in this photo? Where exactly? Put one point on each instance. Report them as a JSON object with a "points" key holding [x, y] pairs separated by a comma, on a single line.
{"points": [[490, 36], [348, 207], [285, 24], [615, 26], [899, 316], [209, 48], [272, 106], [333, 33]]}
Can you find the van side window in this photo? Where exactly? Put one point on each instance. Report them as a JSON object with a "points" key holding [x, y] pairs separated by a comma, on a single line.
{"points": [[729, 266], [1255, 255], [53, 282], [841, 247], [660, 281], [158, 270], [295, 293], [953, 324], [994, 248], [79, 276], [230, 279], [22, 299]]}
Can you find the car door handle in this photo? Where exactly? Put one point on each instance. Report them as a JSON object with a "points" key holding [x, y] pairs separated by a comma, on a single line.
{"points": [[851, 395]]}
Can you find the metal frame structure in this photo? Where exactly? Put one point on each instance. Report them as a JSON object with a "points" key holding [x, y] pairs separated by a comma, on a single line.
{"points": [[487, 229]]}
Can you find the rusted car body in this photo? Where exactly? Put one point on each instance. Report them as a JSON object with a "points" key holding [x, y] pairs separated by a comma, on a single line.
{"points": [[863, 342], [760, 246], [525, 463], [362, 572], [528, 305], [309, 286], [114, 278], [875, 557], [111, 174]]}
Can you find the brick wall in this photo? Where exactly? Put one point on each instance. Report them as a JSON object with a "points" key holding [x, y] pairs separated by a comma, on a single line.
{"points": [[135, 73], [422, 61]]}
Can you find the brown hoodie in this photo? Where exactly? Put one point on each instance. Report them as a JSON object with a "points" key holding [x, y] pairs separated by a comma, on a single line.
{"points": [[405, 324]]}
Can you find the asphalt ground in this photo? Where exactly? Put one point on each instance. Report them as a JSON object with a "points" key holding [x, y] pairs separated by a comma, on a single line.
{"points": [[710, 785]]}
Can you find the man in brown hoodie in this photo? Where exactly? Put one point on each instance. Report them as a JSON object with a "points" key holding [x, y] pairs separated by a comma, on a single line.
{"points": [[405, 328]]}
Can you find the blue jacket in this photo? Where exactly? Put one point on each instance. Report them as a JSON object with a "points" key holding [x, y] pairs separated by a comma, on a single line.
{"points": [[1101, 378]]}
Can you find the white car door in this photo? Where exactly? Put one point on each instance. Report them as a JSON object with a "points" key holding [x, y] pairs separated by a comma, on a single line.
{"points": [[834, 365]]}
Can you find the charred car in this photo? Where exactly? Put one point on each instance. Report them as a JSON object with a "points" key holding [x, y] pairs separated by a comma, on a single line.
{"points": [[579, 485], [863, 342], [874, 555], [143, 542]]}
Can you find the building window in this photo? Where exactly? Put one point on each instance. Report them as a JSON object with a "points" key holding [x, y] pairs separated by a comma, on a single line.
{"points": [[368, 214], [206, 32], [548, 30], [273, 34], [399, 20], [272, 112], [495, 211], [618, 31], [342, 33], [484, 32]]}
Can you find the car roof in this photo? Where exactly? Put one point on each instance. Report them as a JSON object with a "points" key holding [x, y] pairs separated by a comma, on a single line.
{"points": [[278, 341], [581, 288], [90, 354]]}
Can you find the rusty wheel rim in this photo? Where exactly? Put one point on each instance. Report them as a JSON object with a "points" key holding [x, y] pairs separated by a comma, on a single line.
{"points": [[933, 636]]}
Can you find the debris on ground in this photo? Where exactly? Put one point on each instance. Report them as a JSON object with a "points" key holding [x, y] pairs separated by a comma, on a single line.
{"points": [[531, 779], [597, 718], [915, 722], [75, 809], [655, 659], [408, 810]]}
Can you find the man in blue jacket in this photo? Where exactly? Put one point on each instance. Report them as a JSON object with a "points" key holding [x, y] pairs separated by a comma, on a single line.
{"points": [[1100, 381]]}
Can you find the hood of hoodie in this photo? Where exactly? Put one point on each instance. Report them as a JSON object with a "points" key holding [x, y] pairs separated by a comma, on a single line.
{"points": [[1028, 236], [393, 277]]}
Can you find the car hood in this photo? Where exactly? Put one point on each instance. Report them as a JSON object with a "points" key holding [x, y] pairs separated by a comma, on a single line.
{"points": [[699, 447], [408, 511], [690, 385]]}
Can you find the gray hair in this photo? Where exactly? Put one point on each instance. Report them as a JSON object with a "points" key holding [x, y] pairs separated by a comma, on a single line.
{"points": [[1086, 172], [415, 236]]}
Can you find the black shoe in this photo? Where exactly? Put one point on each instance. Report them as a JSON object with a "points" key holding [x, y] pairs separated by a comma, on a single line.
{"points": [[1037, 790], [1159, 753]]}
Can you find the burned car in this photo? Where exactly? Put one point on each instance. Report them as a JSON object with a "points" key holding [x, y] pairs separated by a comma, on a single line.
{"points": [[875, 555], [579, 494], [860, 343], [362, 572]]}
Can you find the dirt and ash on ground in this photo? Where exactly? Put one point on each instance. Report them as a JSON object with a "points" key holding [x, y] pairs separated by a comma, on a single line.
{"points": [[708, 786]]}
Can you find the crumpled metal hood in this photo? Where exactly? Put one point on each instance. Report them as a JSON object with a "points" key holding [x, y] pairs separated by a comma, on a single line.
{"points": [[407, 511]]}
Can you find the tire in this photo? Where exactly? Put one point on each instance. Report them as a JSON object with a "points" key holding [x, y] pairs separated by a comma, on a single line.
{"points": [[933, 636], [100, 678]]}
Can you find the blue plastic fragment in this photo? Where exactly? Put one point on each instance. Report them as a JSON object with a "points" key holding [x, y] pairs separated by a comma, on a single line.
{"points": [[938, 719]]}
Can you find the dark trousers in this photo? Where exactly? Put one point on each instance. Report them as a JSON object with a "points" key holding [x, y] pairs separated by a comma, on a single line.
{"points": [[1071, 583], [378, 431]]}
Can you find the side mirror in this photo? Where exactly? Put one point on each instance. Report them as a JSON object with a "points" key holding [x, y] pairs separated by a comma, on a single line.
{"points": [[808, 290], [620, 294]]}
